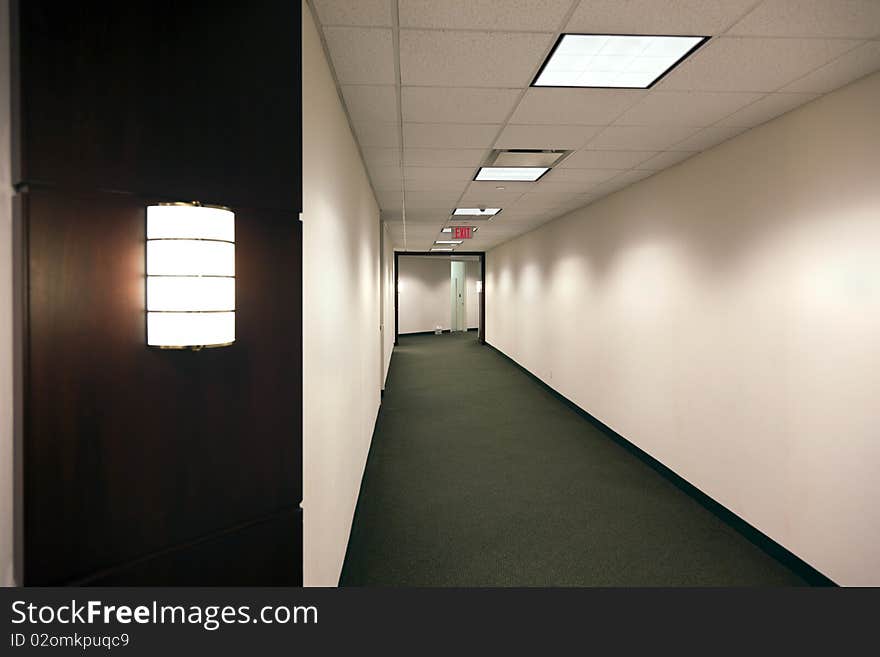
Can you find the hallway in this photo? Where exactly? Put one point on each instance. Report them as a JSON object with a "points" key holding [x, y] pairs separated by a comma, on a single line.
{"points": [[440, 293], [478, 476]]}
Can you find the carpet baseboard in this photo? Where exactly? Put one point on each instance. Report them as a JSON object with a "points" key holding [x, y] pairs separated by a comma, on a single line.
{"points": [[432, 332], [751, 533]]}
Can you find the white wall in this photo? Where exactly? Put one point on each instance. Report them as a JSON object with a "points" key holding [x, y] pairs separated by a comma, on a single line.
{"points": [[424, 283], [724, 315], [387, 299], [342, 368], [6, 484], [473, 297]]}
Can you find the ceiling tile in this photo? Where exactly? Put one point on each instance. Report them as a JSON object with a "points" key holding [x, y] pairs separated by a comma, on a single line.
{"points": [[581, 175], [695, 108], [440, 174], [507, 223], [750, 64], [389, 199], [528, 15], [849, 67], [442, 206], [386, 177], [769, 107], [382, 135], [675, 17], [362, 12], [640, 138], [513, 218], [457, 105], [361, 55], [565, 189], [444, 135], [624, 180], [395, 189], [504, 224], [441, 196], [855, 19], [480, 200], [480, 196], [422, 228], [665, 159], [628, 178], [470, 59], [546, 136], [442, 157], [381, 156], [536, 201], [574, 106], [391, 187], [436, 186], [708, 137], [371, 103], [589, 159], [499, 188], [418, 214]]}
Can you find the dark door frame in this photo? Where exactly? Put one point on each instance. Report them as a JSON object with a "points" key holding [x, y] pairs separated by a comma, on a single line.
{"points": [[481, 332]]}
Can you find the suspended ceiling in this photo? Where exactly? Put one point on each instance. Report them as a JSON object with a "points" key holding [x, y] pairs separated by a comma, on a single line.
{"points": [[432, 86]]}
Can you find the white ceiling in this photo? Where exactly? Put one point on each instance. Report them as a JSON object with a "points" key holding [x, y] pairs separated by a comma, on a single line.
{"points": [[431, 86]]}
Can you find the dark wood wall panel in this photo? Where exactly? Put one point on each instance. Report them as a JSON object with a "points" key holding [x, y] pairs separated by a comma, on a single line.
{"points": [[137, 460], [132, 449], [259, 554], [192, 100]]}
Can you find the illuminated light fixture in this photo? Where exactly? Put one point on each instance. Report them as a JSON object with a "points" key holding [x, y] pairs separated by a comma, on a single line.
{"points": [[442, 249], [190, 276], [521, 174], [456, 242], [479, 286], [614, 60], [477, 212], [446, 230]]}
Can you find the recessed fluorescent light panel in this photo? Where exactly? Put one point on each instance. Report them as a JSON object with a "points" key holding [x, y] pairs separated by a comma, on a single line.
{"points": [[440, 249], [611, 60], [477, 212], [448, 242], [522, 174]]}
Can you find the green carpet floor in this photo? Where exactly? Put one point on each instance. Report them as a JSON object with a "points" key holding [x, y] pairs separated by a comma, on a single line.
{"points": [[478, 476]]}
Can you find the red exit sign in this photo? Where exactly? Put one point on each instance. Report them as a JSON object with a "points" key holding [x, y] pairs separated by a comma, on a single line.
{"points": [[462, 232]]}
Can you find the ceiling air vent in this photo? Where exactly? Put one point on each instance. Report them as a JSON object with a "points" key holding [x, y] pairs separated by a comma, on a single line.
{"points": [[467, 221], [522, 157]]}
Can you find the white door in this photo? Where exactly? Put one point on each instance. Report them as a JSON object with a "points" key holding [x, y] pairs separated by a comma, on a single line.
{"points": [[458, 292]]}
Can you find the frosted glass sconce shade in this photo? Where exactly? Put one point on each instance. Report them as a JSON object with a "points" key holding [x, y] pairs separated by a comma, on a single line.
{"points": [[190, 276]]}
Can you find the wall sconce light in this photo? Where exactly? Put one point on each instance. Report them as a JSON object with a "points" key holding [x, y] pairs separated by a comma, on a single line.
{"points": [[190, 276], [479, 287]]}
